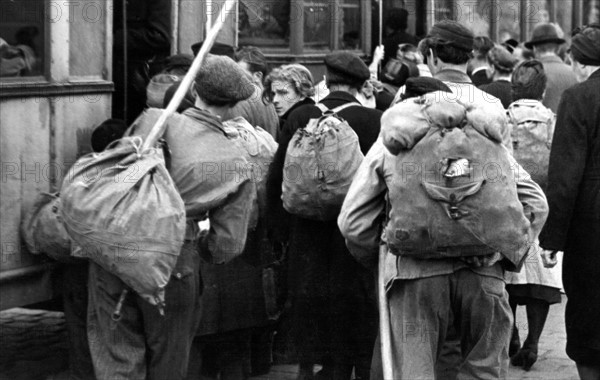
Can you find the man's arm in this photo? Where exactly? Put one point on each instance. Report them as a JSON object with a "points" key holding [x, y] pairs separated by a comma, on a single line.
{"points": [[363, 209]]}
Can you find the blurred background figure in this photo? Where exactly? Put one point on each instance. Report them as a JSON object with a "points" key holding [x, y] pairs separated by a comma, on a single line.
{"points": [[395, 33], [501, 63], [545, 42], [478, 67], [536, 287], [148, 30]]}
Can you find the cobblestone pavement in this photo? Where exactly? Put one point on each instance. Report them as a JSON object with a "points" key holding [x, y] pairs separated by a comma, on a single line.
{"points": [[552, 364]]}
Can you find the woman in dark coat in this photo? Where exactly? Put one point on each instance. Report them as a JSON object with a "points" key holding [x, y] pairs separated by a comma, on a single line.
{"points": [[573, 225], [331, 297], [289, 87]]}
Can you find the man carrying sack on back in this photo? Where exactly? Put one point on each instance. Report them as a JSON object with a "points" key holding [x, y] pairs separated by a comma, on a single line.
{"points": [[445, 240], [207, 168]]}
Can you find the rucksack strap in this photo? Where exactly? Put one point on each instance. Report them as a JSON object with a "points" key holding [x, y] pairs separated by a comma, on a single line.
{"points": [[324, 108]]}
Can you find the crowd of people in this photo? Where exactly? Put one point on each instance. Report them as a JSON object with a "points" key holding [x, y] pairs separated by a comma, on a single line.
{"points": [[291, 289]]}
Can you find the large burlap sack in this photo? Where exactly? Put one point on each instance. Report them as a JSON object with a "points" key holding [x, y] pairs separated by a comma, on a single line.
{"points": [[43, 230], [320, 163], [454, 191], [531, 129], [122, 207]]}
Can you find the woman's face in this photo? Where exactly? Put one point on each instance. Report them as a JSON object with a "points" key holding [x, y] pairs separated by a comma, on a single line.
{"points": [[284, 96]]}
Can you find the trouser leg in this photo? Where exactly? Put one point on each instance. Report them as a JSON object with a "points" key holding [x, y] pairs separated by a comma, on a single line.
{"points": [[169, 338], [419, 316], [485, 319], [75, 303], [117, 348]]}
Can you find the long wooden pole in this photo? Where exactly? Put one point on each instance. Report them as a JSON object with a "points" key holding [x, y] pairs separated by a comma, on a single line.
{"points": [[385, 333], [159, 127]]}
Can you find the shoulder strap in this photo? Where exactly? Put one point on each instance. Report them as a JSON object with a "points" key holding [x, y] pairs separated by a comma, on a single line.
{"points": [[324, 108]]}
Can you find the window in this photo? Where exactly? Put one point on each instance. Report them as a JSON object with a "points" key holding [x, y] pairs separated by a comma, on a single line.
{"points": [[312, 25], [591, 12], [264, 23], [22, 37]]}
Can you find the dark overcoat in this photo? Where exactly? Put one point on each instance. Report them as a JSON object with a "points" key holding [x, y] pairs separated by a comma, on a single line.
{"points": [[333, 311], [573, 225]]}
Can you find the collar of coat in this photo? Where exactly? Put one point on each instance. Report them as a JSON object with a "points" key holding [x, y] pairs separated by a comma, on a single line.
{"points": [[551, 59], [205, 118], [454, 76], [338, 96]]}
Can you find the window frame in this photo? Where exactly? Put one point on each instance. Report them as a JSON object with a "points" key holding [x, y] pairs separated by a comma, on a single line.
{"points": [[296, 42], [56, 80]]}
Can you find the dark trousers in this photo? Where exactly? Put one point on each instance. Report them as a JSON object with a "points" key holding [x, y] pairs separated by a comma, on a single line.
{"points": [[75, 303], [143, 344]]}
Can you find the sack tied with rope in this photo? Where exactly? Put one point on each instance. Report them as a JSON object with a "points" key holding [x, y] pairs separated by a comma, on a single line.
{"points": [[121, 206]]}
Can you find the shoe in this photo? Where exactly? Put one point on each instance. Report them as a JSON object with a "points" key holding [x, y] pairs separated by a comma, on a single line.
{"points": [[525, 358]]}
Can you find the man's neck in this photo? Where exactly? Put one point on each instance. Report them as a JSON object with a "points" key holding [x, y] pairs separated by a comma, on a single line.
{"points": [[450, 66], [215, 110], [506, 77], [545, 54], [344, 88]]}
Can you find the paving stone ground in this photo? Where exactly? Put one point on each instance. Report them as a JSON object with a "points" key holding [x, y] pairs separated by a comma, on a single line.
{"points": [[552, 364]]}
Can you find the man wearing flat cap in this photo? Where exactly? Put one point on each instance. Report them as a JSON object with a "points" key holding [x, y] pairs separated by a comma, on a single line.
{"points": [[502, 63], [545, 42], [449, 316], [143, 344], [333, 308], [573, 225]]}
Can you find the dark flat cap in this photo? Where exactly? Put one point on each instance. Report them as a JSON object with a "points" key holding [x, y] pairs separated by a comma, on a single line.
{"points": [[502, 59], [544, 33], [454, 34], [217, 49], [221, 81], [110, 130], [423, 85], [345, 67]]}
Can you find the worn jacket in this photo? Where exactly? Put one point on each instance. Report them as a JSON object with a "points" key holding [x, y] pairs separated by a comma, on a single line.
{"points": [[560, 77], [213, 183]]}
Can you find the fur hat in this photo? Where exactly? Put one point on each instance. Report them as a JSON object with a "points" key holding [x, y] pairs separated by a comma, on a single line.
{"points": [[221, 81]]}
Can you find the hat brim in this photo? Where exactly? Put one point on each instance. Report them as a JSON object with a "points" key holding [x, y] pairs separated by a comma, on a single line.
{"points": [[530, 44]]}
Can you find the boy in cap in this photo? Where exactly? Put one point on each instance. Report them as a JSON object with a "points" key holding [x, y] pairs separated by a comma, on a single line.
{"points": [[333, 310], [433, 300], [142, 344], [502, 63], [573, 225], [545, 42]]}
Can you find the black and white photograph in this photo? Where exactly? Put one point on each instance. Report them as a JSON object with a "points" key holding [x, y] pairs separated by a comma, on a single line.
{"points": [[300, 190]]}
